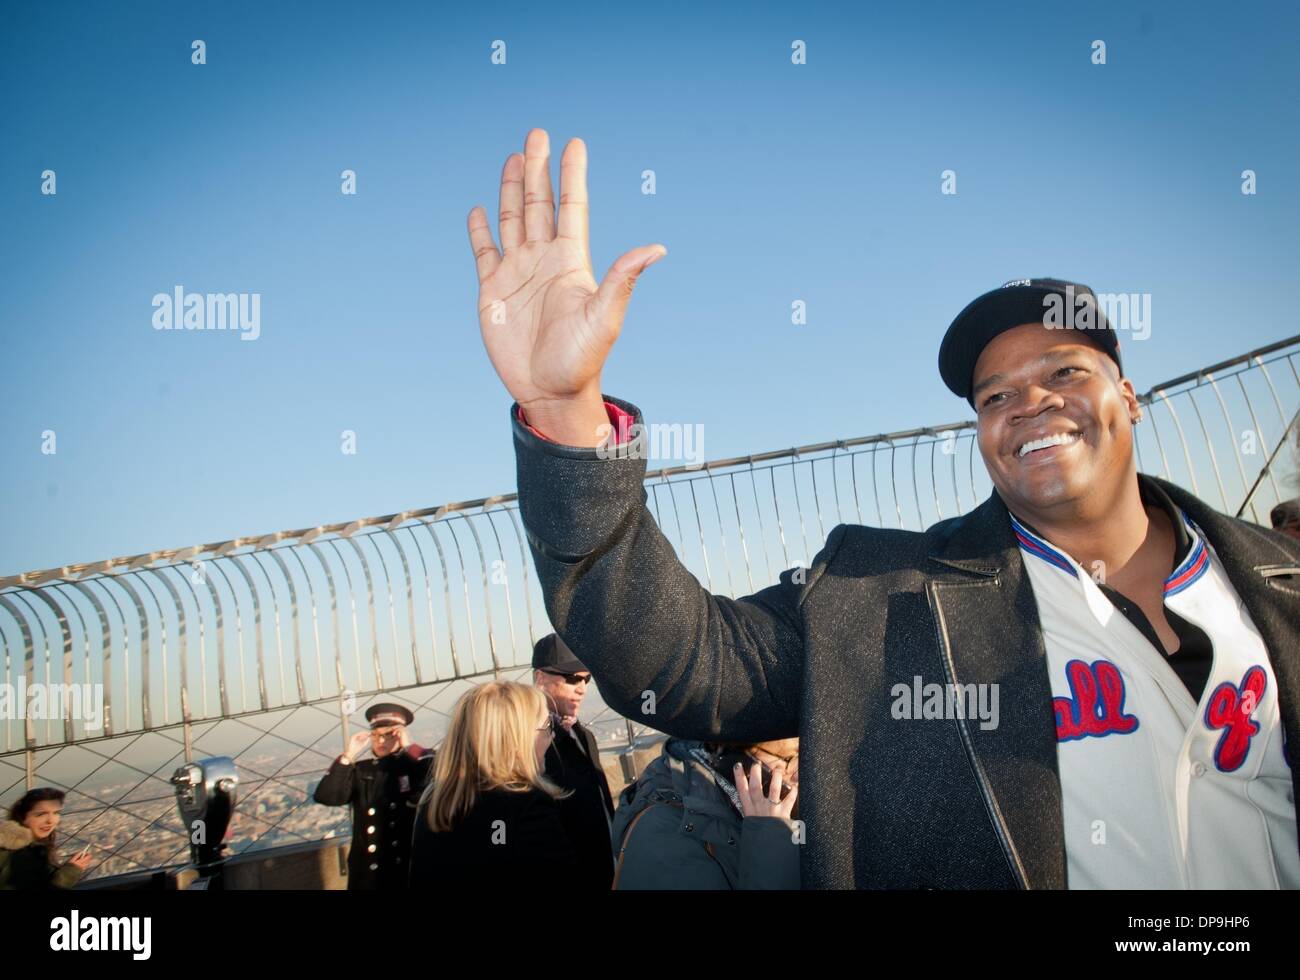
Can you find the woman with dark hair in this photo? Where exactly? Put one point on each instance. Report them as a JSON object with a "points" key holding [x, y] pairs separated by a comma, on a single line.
{"points": [[29, 845]]}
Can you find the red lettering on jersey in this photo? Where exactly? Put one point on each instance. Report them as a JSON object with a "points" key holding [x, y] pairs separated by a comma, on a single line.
{"points": [[1096, 705], [1230, 708]]}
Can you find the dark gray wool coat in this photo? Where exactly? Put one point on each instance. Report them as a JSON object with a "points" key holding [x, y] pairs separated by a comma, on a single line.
{"points": [[886, 803]]}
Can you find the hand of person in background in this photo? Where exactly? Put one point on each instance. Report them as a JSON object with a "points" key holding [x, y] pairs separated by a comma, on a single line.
{"points": [[356, 745], [750, 789], [81, 860], [547, 326]]}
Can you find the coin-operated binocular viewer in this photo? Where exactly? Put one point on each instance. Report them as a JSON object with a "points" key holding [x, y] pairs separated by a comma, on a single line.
{"points": [[205, 795]]}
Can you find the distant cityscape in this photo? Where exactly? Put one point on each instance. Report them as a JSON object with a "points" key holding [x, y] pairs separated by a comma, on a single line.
{"points": [[132, 824]]}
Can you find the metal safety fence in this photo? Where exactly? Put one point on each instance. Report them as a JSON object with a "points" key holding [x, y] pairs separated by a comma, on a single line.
{"points": [[266, 648]]}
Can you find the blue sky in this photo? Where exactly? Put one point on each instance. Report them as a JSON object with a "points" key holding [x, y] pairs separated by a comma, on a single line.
{"points": [[775, 182]]}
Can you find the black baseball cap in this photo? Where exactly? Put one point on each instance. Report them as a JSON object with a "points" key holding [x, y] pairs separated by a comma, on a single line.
{"points": [[1055, 302], [553, 655]]}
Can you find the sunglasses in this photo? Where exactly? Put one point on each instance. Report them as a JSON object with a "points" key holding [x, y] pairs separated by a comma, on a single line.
{"points": [[570, 678]]}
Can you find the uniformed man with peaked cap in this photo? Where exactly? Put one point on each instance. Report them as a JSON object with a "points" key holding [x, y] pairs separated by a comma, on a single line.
{"points": [[382, 792]]}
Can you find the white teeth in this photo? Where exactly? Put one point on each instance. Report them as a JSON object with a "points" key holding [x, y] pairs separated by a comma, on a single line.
{"points": [[1064, 439]]}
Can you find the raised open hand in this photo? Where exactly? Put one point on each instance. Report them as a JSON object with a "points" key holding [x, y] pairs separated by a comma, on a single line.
{"points": [[546, 324]]}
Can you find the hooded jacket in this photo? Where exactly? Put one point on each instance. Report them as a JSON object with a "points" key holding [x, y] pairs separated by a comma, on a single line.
{"points": [[677, 828], [25, 864]]}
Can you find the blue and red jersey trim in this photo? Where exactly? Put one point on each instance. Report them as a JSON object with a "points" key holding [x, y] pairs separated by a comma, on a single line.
{"points": [[1036, 546], [1189, 570]]}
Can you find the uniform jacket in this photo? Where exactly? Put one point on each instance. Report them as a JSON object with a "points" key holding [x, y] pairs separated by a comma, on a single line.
{"points": [[677, 828], [511, 844], [887, 804], [25, 865], [587, 813], [382, 794]]}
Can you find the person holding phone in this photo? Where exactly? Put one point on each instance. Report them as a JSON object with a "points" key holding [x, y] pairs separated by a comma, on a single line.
{"points": [[382, 793], [29, 854], [712, 816]]}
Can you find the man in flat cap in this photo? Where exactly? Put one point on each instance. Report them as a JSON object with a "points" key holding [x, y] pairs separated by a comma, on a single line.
{"points": [[382, 792], [1285, 517], [1143, 650], [573, 762]]}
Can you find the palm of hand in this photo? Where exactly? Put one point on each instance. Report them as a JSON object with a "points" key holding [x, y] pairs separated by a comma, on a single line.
{"points": [[534, 313], [547, 325]]}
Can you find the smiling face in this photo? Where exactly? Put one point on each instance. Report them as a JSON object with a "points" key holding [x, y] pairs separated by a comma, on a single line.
{"points": [[1055, 422]]}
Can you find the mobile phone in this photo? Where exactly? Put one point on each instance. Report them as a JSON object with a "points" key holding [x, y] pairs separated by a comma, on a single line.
{"points": [[727, 766]]}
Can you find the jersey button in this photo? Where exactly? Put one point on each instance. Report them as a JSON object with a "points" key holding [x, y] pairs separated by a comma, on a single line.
{"points": [[370, 812], [1198, 769], [370, 829], [374, 867], [372, 848]]}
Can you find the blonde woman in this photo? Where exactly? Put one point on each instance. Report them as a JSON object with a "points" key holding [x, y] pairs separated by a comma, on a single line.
{"points": [[490, 818]]}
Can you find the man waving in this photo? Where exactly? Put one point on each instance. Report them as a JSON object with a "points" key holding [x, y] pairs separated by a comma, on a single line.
{"points": [[1144, 647]]}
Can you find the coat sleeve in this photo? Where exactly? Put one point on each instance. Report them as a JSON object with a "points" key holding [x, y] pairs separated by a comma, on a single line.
{"points": [[769, 856], [424, 773], [66, 875], [336, 788], [711, 667], [593, 753]]}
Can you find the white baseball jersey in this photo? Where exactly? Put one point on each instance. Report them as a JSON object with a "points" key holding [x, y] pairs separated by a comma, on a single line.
{"points": [[1159, 791]]}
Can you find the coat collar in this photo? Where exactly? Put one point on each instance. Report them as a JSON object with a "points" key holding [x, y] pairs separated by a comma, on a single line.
{"points": [[988, 632], [14, 836]]}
